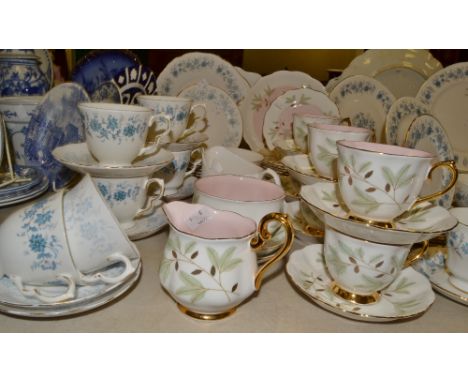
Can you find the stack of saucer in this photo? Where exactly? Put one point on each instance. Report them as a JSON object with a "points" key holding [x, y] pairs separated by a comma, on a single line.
{"points": [[33, 183], [373, 216], [64, 254], [123, 169]]}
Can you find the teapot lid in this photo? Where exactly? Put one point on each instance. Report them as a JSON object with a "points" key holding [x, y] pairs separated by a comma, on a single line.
{"points": [[206, 222]]}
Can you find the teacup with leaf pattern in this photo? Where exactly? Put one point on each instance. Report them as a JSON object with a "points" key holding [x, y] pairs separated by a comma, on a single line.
{"points": [[360, 268], [130, 198], [457, 245], [380, 182], [301, 124], [209, 264], [322, 140], [116, 134]]}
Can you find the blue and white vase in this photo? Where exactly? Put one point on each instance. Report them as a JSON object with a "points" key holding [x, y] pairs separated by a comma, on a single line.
{"points": [[20, 75]]}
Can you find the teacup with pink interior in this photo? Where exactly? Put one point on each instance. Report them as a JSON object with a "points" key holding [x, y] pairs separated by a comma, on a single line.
{"points": [[380, 182], [301, 124]]}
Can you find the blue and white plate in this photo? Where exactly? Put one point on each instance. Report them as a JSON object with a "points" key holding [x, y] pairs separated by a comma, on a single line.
{"points": [[25, 195], [56, 122], [403, 111], [133, 81], [35, 175], [2, 138], [100, 66], [427, 134], [365, 101]]}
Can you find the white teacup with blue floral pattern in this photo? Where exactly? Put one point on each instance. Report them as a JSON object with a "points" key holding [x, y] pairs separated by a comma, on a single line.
{"points": [[175, 174], [360, 268], [36, 250], [457, 244], [129, 198], [17, 112], [177, 110], [116, 134]]}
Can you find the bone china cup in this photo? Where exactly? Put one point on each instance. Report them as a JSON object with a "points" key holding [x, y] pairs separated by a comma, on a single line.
{"points": [[116, 134], [210, 264], [176, 110], [128, 197], [379, 182], [322, 145], [457, 244], [250, 197], [361, 269], [301, 124]]}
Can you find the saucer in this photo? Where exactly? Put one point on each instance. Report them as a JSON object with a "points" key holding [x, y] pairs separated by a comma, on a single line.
{"points": [[147, 225], [306, 225], [24, 195], [421, 223], [184, 192], [434, 268], [410, 295], [300, 168], [34, 174], [77, 157], [88, 297]]}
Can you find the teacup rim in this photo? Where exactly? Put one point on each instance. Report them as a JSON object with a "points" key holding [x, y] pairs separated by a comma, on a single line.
{"points": [[21, 100], [341, 128], [249, 178], [153, 97], [116, 107], [383, 149], [329, 227], [215, 210]]}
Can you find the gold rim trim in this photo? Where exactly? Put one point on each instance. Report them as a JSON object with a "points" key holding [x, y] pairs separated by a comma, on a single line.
{"points": [[354, 297], [205, 316], [373, 223]]}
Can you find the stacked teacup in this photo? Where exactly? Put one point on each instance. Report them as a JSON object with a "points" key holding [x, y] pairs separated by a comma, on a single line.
{"points": [[69, 238], [377, 184]]}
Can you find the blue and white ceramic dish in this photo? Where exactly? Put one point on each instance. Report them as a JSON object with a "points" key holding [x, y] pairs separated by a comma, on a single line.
{"points": [[403, 111], [106, 92], [100, 66], [133, 81], [24, 195], [427, 134], [365, 101], [34, 174], [56, 122]]}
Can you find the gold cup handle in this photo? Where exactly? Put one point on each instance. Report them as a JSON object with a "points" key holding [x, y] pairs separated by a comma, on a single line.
{"points": [[417, 254], [264, 235], [450, 164]]}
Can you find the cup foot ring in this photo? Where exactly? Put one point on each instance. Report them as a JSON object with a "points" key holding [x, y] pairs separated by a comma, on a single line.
{"points": [[353, 297], [205, 316]]}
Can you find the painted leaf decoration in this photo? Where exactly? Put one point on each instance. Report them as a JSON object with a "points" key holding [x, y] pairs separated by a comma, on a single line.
{"points": [[400, 176], [213, 256], [379, 264], [364, 167], [370, 189], [190, 246], [350, 181], [234, 287], [213, 270], [325, 156], [164, 268], [198, 296], [352, 259], [346, 249], [189, 280], [365, 200], [194, 255], [174, 254], [368, 174], [388, 176], [347, 170], [196, 272], [405, 199], [231, 265], [176, 265], [379, 275], [387, 187], [226, 258], [356, 269]]}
